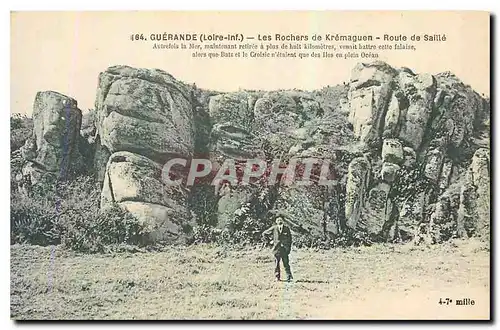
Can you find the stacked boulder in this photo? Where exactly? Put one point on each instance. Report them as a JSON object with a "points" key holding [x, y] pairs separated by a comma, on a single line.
{"points": [[420, 133], [144, 119], [408, 153]]}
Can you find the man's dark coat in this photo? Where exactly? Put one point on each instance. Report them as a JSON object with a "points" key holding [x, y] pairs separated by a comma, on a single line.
{"points": [[282, 240]]}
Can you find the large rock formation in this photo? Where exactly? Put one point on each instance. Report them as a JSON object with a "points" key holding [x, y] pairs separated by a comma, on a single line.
{"points": [[408, 153], [53, 151], [147, 112], [232, 138], [371, 88], [479, 183], [135, 182], [431, 129], [144, 119]]}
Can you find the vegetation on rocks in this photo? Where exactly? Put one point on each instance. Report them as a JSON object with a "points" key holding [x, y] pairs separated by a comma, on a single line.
{"points": [[408, 154]]}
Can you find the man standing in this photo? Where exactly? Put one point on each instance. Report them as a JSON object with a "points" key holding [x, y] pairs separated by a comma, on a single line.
{"points": [[282, 244]]}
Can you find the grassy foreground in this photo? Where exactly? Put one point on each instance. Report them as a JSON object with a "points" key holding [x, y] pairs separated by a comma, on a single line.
{"points": [[207, 282]]}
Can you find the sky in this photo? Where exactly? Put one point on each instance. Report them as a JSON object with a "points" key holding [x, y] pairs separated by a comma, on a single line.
{"points": [[66, 51]]}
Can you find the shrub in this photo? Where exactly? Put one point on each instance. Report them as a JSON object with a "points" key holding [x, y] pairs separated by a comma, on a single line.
{"points": [[21, 128], [111, 226], [205, 233], [68, 213], [32, 221]]}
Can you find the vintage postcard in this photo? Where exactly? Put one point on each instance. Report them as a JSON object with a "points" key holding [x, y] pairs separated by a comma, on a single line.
{"points": [[272, 165]]}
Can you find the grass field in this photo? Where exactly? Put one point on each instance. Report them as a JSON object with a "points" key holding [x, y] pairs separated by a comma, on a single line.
{"points": [[207, 282]]}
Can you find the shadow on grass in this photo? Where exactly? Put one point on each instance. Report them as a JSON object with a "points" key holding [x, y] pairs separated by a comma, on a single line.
{"points": [[312, 281]]}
